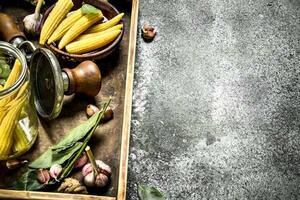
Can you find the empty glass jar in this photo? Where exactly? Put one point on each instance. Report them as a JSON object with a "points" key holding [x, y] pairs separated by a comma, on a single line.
{"points": [[18, 118]]}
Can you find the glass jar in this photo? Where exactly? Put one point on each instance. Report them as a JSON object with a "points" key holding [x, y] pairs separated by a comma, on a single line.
{"points": [[18, 118]]}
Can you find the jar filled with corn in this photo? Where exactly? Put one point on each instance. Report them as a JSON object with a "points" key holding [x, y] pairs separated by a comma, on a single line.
{"points": [[18, 118]]}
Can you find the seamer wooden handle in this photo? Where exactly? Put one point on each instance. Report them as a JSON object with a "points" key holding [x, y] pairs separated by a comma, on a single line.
{"points": [[85, 78], [8, 28]]}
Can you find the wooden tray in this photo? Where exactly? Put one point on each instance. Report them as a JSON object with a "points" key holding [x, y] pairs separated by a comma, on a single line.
{"points": [[110, 143]]}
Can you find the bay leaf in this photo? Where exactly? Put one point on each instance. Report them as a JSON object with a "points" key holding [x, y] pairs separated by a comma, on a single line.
{"points": [[77, 133], [149, 193], [28, 181], [50, 158], [44, 160]]}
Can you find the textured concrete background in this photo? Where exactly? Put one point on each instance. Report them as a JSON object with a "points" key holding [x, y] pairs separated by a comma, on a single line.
{"points": [[216, 111]]}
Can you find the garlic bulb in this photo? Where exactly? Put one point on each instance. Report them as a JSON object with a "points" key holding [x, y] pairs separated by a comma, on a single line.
{"points": [[102, 178], [32, 22]]}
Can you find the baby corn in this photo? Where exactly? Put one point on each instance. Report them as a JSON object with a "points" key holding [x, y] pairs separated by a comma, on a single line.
{"points": [[60, 10], [80, 26], [90, 35], [92, 43], [105, 25], [7, 127], [65, 25]]}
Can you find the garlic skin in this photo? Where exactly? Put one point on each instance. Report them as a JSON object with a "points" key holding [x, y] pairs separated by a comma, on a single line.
{"points": [[55, 171], [101, 180], [43, 176]]}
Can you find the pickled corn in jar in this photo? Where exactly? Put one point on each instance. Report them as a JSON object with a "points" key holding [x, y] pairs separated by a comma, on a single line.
{"points": [[18, 119]]}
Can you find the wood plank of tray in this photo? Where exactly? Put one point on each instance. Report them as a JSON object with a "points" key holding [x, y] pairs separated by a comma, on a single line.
{"points": [[128, 102], [8, 194]]}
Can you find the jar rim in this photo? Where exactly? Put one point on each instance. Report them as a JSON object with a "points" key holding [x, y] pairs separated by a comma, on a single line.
{"points": [[19, 55]]}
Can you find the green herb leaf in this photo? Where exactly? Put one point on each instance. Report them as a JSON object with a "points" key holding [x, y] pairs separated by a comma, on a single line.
{"points": [[89, 9], [49, 158], [43, 161], [149, 193], [46, 159], [61, 157], [28, 182], [76, 134]]}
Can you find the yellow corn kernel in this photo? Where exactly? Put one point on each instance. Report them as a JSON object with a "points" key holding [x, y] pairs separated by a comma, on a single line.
{"points": [[105, 25], [65, 25], [80, 26], [90, 35], [93, 43], [60, 10]]}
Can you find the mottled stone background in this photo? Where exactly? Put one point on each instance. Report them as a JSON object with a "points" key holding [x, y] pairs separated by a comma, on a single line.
{"points": [[216, 108]]}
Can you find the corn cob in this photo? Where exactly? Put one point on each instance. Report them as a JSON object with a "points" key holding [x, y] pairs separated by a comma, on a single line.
{"points": [[22, 90], [93, 43], [8, 126], [14, 74], [90, 35], [60, 10], [20, 140], [80, 26], [12, 78], [105, 25], [65, 25]]}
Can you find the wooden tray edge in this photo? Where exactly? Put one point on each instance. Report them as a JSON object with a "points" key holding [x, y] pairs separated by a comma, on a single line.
{"points": [[128, 102], [19, 194]]}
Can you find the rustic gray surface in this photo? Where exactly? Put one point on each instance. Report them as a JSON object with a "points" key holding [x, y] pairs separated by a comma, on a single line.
{"points": [[216, 111]]}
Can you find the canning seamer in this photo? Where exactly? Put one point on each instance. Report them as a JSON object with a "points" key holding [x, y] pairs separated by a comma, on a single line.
{"points": [[49, 82]]}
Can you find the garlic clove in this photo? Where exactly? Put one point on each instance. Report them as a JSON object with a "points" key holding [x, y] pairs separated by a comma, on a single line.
{"points": [[43, 176], [108, 115], [15, 164], [55, 171], [89, 179], [104, 167], [88, 168], [81, 161], [91, 110], [148, 32], [101, 180]]}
